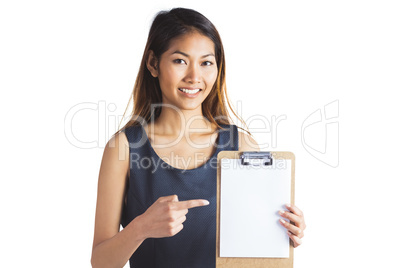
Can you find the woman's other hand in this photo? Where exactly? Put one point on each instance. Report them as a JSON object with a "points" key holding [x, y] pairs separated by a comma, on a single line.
{"points": [[296, 226]]}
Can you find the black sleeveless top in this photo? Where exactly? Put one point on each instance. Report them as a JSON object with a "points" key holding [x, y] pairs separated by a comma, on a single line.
{"points": [[151, 178]]}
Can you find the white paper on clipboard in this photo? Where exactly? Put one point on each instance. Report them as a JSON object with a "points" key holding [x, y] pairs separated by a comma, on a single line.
{"points": [[251, 197]]}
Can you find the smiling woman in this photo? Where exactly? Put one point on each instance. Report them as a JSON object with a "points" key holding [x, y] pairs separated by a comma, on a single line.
{"points": [[179, 124], [186, 72]]}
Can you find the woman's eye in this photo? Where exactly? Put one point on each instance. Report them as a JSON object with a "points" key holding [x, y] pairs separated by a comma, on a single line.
{"points": [[178, 61]]}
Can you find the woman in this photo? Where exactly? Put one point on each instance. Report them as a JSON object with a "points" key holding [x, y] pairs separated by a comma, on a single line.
{"points": [[157, 157]]}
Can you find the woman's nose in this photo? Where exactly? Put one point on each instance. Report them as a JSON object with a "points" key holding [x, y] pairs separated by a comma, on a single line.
{"points": [[193, 74]]}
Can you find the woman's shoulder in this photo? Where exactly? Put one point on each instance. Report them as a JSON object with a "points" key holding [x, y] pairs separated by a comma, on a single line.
{"points": [[118, 145], [246, 142]]}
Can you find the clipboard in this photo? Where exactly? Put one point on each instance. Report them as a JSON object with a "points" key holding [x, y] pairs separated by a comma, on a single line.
{"points": [[268, 161]]}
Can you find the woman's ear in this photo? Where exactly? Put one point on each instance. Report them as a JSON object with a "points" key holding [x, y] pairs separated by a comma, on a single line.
{"points": [[152, 64]]}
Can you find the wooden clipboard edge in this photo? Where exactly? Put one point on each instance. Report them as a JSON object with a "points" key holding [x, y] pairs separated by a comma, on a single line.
{"points": [[227, 262]]}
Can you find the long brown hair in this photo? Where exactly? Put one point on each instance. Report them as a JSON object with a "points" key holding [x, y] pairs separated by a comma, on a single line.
{"points": [[166, 26]]}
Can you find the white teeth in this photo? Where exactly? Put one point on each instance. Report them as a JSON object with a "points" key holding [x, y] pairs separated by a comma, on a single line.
{"points": [[189, 91]]}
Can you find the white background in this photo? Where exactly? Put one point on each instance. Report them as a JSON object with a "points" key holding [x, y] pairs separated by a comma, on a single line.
{"points": [[283, 58]]}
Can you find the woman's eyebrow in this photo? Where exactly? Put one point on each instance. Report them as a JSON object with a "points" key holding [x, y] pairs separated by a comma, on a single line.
{"points": [[184, 54]]}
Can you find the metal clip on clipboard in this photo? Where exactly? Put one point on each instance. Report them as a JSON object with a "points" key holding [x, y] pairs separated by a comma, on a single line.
{"points": [[256, 158]]}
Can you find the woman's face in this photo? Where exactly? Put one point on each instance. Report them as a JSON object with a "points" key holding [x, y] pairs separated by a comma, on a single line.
{"points": [[188, 65]]}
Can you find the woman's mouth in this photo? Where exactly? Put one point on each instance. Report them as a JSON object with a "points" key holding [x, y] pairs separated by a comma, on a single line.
{"points": [[190, 92]]}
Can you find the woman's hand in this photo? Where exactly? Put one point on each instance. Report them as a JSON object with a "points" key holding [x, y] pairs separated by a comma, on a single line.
{"points": [[296, 226], [166, 215]]}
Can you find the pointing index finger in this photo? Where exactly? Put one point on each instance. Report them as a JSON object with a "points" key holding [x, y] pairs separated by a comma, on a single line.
{"points": [[191, 203]]}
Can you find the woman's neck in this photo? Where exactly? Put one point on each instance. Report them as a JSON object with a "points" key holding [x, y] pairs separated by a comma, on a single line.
{"points": [[173, 121]]}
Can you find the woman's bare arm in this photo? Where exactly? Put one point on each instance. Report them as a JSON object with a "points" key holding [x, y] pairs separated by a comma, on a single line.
{"points": [[112, 248], [164, 218]]}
